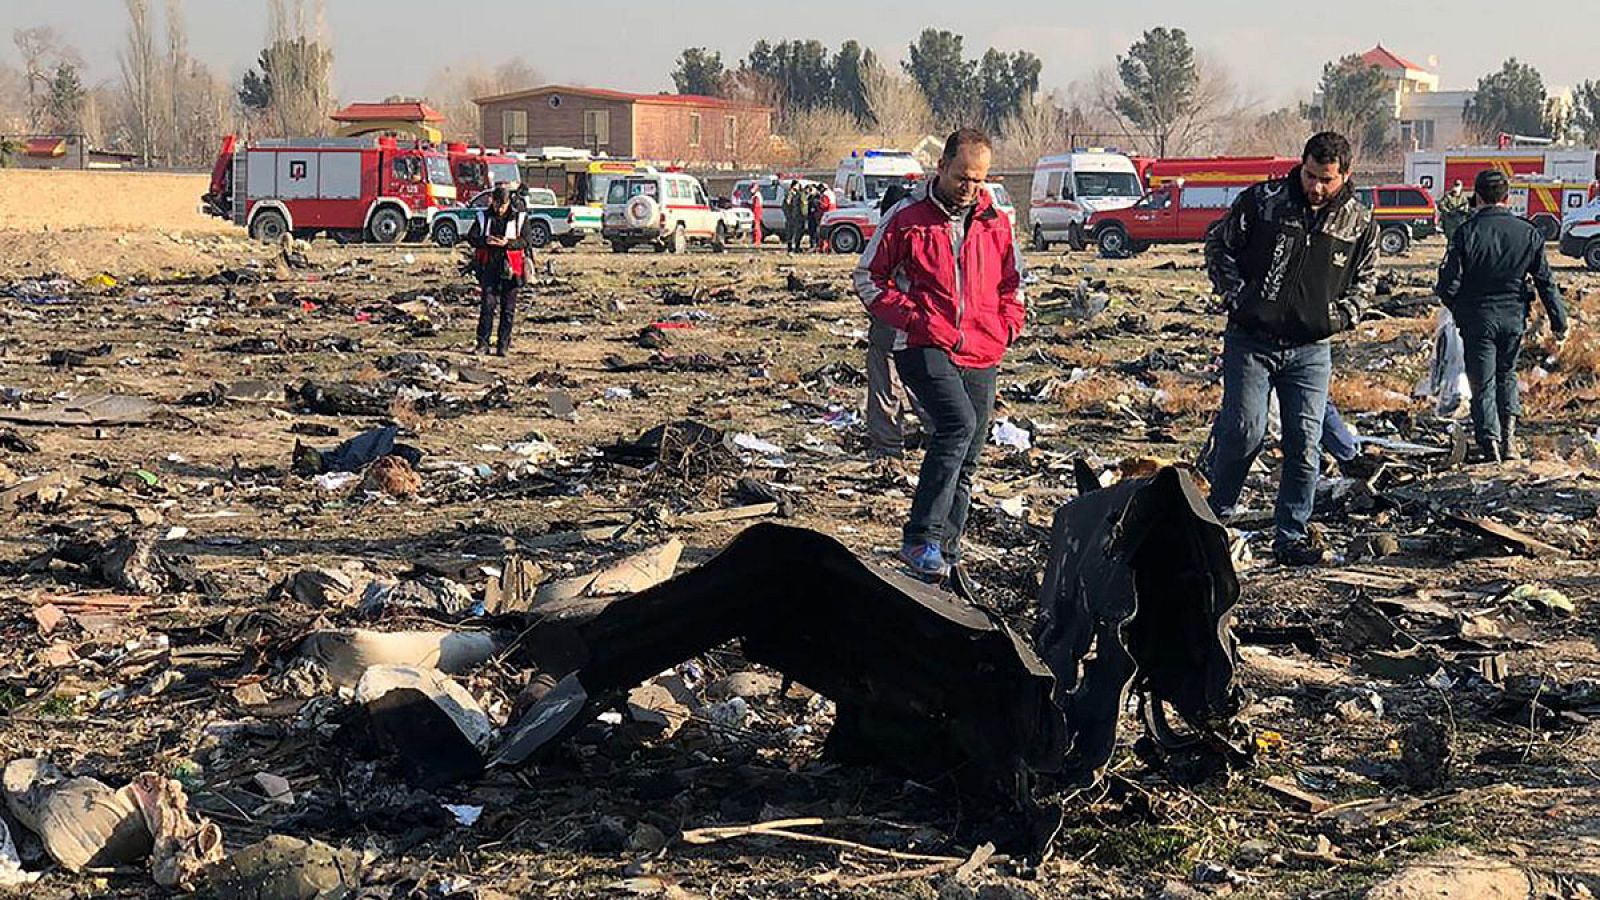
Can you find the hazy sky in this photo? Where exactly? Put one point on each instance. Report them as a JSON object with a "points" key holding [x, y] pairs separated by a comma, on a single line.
{"points": [[1274, 49]]}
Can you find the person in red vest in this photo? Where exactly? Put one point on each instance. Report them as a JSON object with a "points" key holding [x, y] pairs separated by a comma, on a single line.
{"points": [[755, 210], [825, 205], [500, 256]]}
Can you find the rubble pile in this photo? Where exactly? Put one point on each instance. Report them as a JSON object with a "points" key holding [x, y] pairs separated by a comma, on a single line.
{"points": [[300, 599]]}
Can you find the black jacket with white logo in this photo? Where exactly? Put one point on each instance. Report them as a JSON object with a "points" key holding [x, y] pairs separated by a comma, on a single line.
{"points": [[1290, 273]]}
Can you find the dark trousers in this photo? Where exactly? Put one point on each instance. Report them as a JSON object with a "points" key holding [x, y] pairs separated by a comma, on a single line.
{"points": [[1251, 367], [502, 296], [958, 403], [797, 230], [1492, 343]]}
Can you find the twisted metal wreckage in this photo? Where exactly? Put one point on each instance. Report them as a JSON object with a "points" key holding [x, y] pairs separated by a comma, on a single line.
{"points": [[1137, 596]]}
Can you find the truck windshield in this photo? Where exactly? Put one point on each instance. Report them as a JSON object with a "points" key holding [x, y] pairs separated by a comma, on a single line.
{"points": [[1107, 184], [439, 171], [504, 172]]}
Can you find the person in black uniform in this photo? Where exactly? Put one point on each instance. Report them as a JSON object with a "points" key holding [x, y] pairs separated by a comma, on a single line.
{"points": [[1484, 281]]}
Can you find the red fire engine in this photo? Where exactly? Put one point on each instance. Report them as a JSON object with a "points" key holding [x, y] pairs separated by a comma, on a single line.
{"points": [[352, 188], [478, 169], [1546, 182], [1218, 171]]}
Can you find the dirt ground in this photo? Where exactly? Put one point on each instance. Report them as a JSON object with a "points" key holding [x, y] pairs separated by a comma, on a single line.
{"points": [[781, 362]]}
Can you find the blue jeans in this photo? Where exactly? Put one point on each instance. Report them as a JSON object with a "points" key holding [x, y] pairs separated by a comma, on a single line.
{"points": [[1299, 375], [1337, 438], [957, 403]]}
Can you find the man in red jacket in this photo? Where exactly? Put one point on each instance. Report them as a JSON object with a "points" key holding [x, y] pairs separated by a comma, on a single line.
{"points": [[942, 271]]}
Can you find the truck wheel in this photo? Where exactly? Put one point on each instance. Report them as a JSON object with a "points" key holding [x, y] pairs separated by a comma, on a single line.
{"points": [[539, 233], [1591, 254], [719, 242], [680, 239], [445, 233], [1039, 243], [847, 239], [1113, 242], [388, 225], [1393, 241], [270, 226], [1548, 226], [619, 246]]}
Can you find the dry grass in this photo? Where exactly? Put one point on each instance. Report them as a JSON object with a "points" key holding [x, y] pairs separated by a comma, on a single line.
{"points": [[1097, 393], [1581, 353], [1181, 396], [1370, 394], [1558, 397]]}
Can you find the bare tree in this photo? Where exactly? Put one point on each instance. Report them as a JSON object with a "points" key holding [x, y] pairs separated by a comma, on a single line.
{"points": [[820, 136], [42, 51], [140, 77], [1278, 132], [1201, 128], [13, 101], [900, 113], [1035, 130], [299, 61], [452, 90], [174, 83]]}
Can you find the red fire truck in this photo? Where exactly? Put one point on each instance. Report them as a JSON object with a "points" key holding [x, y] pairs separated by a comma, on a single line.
{"points": [[371, 188], [478, 169], [1546, 182], [1213, 170]]}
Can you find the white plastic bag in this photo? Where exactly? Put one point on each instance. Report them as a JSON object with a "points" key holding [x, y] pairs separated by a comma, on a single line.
{"points": [[1446, 380]]}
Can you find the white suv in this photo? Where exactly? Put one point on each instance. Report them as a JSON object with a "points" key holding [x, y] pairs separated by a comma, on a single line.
{"points": [[664, 210]]}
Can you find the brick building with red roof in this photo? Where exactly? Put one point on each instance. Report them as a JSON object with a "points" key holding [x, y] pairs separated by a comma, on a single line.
{"points": [[667, 129]]}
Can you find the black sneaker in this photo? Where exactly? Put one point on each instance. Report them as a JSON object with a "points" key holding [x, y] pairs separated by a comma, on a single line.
{"points": [[1301, 553]]}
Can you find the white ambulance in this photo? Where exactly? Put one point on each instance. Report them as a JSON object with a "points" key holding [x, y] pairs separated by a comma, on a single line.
{"points": [[864, 175], [1069, 187]]}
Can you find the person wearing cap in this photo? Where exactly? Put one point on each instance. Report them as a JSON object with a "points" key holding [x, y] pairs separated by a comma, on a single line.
{"points": [[500, 239], [1484, 282], [1454, 207]]}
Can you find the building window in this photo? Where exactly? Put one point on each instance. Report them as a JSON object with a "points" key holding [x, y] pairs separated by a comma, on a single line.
{"points": [[730, 133], [514, 127], [597, 128], [694, 129]]}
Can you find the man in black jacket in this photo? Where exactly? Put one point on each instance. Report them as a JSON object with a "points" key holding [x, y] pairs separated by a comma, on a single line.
{"points": [[1484, 282], [1295, 262], [500, 241]]}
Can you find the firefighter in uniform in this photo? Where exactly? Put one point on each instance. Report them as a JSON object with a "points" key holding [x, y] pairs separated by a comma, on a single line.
{"points": [[1484, 281]]}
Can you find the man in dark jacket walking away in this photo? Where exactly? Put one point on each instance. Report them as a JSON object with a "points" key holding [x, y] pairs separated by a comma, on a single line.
{"points": [[1484, 282], [942, 270], [1295, 262], [499, 241]]}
